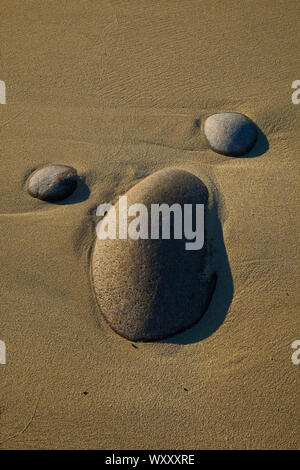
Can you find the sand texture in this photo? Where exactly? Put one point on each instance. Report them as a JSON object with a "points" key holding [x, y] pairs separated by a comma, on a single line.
{"points": [[119, 90]]}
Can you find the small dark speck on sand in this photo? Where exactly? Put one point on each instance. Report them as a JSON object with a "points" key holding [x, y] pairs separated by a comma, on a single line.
{"points": [[85, 393], [185, 389], [134, 346]]}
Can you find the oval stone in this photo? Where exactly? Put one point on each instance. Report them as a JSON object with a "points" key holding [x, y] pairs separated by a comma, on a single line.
{"points": [[150, 289], [232, 134], [52, 183]]}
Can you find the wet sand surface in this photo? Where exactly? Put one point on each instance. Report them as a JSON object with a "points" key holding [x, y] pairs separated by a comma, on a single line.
{"points": [[118, 92]]}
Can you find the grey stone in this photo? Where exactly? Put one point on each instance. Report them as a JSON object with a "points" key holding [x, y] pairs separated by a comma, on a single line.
{"points": [[52, 182], [152, 289], [231, 134]]}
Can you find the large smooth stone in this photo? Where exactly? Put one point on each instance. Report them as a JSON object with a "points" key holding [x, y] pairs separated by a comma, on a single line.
{"points": [[151, 289], [230, 133], [52, 183]]}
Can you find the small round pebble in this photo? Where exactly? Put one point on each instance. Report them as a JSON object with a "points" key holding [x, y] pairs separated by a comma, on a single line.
{"points": [[53, 183], [232, 134]]}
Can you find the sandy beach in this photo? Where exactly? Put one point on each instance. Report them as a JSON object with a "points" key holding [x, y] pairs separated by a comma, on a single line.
{"points": [[119, 90]]}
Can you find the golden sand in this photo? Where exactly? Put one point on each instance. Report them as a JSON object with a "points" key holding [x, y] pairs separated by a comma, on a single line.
{"points": [[114, 89]]}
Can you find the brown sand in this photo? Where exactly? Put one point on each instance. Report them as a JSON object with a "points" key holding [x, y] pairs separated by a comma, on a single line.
{"points": [[116, 90]]}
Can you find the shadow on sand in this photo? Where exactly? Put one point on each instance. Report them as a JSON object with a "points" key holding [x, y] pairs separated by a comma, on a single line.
{"points": [[81, 193], [221, 298], [261, 146]]}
